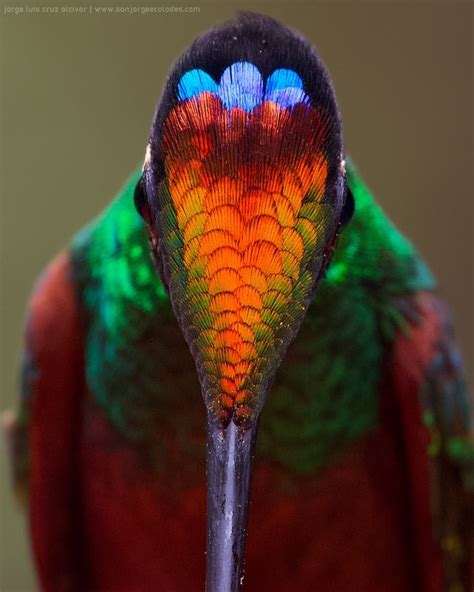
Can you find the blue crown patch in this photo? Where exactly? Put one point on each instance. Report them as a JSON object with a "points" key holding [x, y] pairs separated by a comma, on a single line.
{"points": [[241, 85]]}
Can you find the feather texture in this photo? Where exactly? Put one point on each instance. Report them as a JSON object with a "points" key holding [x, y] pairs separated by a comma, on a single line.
{"points": [[325, 393], [245, 219]]}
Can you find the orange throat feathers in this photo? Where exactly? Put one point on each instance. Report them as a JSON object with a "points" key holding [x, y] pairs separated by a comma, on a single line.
{"points": [[245, 223]]}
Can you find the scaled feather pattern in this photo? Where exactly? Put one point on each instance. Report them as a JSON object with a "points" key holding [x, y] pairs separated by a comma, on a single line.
{"points": [[245, 217]]}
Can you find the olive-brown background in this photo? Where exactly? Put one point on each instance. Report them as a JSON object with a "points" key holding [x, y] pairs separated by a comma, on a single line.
{"points": [[78, 92]]}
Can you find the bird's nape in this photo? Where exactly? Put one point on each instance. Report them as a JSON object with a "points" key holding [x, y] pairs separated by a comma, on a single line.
{"points": [[243, 191]]}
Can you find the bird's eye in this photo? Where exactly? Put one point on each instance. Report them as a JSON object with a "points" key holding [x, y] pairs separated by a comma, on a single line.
{"points": [[347, 209], [141, 201]]}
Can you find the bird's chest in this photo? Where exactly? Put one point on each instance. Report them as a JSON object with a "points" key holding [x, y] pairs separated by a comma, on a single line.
{"points": [[343, 527], [326, 488]]}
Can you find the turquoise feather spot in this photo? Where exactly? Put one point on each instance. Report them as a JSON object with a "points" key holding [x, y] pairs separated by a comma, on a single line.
{"points": [[285, 87], [283, 78], [194, 83], [241, 85]]}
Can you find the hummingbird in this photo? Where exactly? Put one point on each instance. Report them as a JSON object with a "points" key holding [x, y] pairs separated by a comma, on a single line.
{"points": [[246, 265]]}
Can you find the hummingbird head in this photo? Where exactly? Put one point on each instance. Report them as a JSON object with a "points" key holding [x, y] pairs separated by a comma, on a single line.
{"points": [[244, 193]]}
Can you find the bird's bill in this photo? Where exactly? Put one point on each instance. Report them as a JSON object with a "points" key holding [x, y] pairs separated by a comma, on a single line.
{"points": [[230, 453]]}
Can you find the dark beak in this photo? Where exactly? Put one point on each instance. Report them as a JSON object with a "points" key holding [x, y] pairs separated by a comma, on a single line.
{"points": [[230, 453]]}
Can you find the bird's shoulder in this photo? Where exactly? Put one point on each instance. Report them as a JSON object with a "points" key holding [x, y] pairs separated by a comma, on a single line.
{"points": [[326, 394], [136, 360]]}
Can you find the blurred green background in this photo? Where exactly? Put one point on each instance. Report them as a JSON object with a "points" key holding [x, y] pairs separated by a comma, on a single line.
{"points": [[78, 92]]}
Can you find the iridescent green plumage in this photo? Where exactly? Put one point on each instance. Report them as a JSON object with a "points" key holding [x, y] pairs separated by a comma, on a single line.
{"points": [[325, 393]]}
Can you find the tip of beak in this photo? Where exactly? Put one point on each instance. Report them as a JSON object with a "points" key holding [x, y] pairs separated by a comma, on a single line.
{"points": [[230, 454]]}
